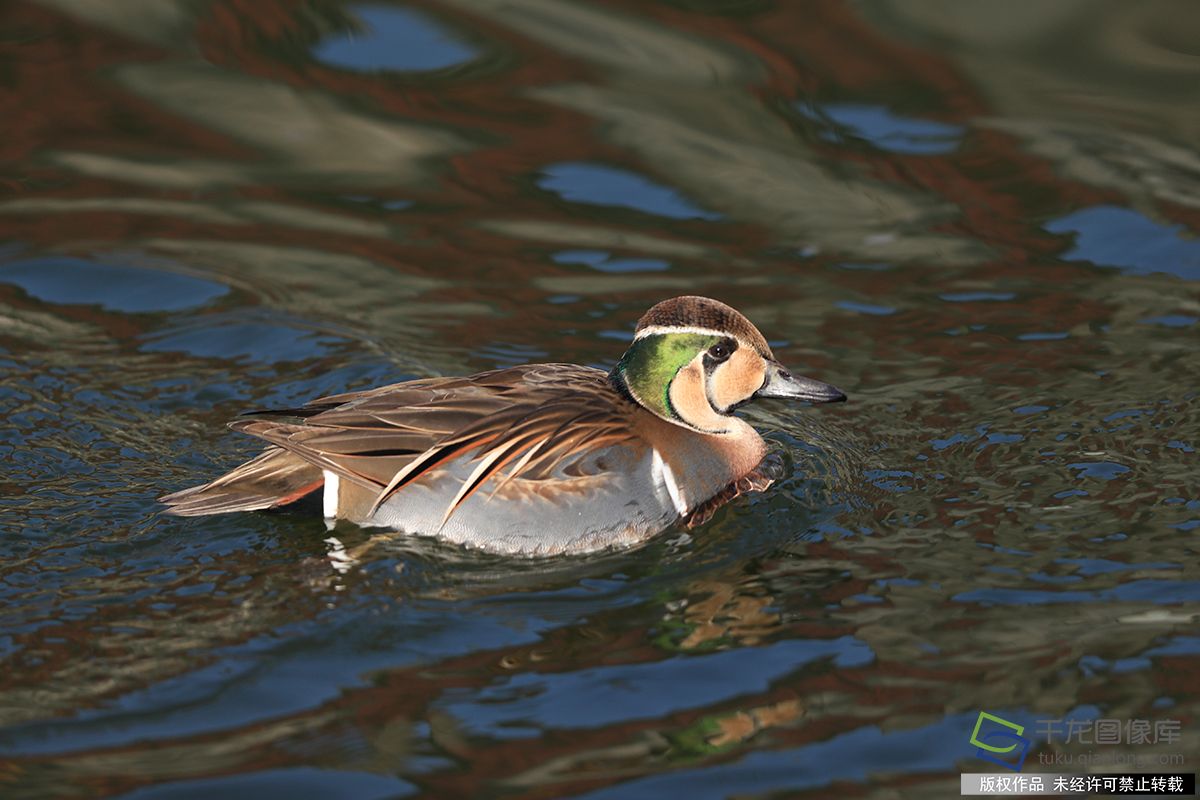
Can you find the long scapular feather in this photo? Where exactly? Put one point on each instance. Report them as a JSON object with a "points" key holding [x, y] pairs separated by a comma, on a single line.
{"points": [[431, 458], [518, 467], [477, 434], [529, 430], [279, 434], [488, 467]]}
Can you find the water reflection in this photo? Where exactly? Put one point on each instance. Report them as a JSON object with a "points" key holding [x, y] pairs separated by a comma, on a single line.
{"points": [[1123, 238], [980, 224], [394, 39], [885, 130], [605, 186], [113, 287]]}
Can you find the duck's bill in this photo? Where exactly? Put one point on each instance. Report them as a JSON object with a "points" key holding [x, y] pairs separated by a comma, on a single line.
{"points": [[781, 383]]}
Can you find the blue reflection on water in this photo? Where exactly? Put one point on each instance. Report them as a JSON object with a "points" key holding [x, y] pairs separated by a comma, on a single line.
{"points": [[396, 39], [865, 308], [882, 479], [270, 676], [976, 297], [1121, 237], [1032, 409], [958, 438], [132, 290], [296, 783], [1179, 646], [607, 186], [1102, 566], [1101, 470], [592, 698], [590, 257], [1160, 592], [602, 261], [886, 130], [1171, 321], [1043, 336], [236, 337]]}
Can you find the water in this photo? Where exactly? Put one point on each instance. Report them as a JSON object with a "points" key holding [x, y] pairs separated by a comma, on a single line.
{"points": [[983, 226]]}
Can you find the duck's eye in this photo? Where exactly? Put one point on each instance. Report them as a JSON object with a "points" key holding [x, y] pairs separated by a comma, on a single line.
{"points": [[721, 350]]}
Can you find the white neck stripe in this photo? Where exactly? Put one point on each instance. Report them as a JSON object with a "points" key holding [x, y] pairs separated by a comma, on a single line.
{"points": [[662, 330]]}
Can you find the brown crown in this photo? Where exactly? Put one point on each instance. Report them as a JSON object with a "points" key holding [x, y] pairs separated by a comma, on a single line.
{"points": [[703, 312]]}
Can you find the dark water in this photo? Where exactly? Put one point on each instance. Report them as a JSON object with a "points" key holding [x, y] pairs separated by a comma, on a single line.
{"points": [[979, 220]]}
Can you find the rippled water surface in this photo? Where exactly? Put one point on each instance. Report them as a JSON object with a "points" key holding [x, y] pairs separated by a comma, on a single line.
{"points": [[981, 224]]}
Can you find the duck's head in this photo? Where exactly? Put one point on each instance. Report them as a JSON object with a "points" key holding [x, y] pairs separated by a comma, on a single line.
{"points": [[694, 360]]}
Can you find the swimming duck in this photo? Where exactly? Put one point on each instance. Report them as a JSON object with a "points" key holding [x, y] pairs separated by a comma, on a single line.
{"points": [[540, 459]]}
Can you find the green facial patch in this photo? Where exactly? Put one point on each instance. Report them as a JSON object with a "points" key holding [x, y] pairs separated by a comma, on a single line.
{"points": [[650, 364]]}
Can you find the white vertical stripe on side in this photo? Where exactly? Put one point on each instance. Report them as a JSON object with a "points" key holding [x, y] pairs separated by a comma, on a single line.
{"points": [[662, 470], [331, 494]]}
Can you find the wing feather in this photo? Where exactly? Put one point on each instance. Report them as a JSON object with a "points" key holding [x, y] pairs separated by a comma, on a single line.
{"points": [[535, 417]]}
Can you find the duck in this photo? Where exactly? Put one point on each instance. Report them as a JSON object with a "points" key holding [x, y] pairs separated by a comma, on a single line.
{"points": [[533, 460]]}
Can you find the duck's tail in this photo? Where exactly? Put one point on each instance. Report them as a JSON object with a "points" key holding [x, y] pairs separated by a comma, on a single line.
{"points": [[274, 479]]}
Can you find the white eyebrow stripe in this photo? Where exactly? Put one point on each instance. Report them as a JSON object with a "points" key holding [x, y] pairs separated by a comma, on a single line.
{"points": [[659, 330]]}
